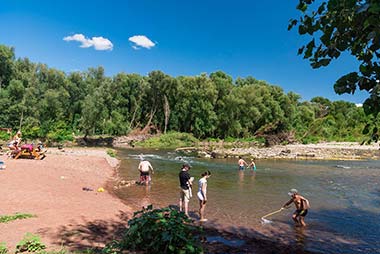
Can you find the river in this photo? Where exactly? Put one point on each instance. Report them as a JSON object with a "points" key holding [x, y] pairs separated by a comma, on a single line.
{"points": [[344, 197]]}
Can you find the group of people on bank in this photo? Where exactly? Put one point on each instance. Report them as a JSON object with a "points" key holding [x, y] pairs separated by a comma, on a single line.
{"points": [[186, 184]]}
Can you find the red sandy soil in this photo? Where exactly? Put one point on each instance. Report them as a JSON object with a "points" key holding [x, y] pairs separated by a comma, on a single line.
{"points": [[51, 189]]}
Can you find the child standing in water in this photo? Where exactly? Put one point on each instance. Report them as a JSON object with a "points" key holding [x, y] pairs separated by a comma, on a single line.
{"points": [[252, 165], [202, 194]]}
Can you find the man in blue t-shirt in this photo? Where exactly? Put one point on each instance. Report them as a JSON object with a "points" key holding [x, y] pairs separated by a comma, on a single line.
{"points": [[185, 182]]}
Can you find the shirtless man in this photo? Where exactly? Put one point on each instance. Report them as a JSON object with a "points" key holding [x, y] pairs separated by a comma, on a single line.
{"points": [[242, 163], [302, 206], [145, 167]]}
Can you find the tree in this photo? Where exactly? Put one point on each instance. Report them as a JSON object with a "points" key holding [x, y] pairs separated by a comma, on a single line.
{"points": [[351, 26], [7, 57]]}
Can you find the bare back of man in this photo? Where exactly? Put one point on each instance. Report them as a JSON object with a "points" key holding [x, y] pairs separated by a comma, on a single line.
{"points": [[145, 167]]}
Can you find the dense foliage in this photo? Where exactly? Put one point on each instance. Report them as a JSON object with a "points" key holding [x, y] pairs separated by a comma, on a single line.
{"points": [[169, 140], [351, 26], [163, 230], [50, 104]]}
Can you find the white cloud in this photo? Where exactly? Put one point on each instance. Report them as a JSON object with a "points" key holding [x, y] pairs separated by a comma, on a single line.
{"points": [[359, 105], [99, 43], [141, 41]]}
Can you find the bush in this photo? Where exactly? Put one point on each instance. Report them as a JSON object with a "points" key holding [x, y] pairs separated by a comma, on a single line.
{"points": [[158, 231], [170, 140], [30, 243], [5, 136], [3, 248], [310, 140], [111, 152]]}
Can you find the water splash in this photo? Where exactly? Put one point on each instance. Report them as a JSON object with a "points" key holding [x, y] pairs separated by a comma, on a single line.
{"points": [[265, 221]]}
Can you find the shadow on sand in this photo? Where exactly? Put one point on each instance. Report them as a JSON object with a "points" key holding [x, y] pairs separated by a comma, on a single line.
{"points": [[278, 237]]}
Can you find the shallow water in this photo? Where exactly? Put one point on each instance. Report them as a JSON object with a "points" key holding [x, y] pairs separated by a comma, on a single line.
{"points": [[344, 197]]}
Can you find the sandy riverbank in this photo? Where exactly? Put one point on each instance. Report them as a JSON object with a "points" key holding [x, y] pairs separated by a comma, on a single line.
{"points": [[52, 190]]}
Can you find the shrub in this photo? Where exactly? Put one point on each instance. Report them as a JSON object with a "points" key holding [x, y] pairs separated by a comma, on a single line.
{"points": [[111, 152], [310, 140], [3, 248], [5, 136], [170, 140], [158, 231], [30, 243]]}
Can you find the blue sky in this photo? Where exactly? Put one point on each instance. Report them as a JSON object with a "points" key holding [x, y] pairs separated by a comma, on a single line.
{"points": [[242, 38]]}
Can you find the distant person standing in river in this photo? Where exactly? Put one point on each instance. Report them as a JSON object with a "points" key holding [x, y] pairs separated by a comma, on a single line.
{"points": [[185, 182], [242, 163], [145, 167], [202, 194], [302, 206], [252, 165]]}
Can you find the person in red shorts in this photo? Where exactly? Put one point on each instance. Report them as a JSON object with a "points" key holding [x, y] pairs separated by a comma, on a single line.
{"points": [[145, 167]]}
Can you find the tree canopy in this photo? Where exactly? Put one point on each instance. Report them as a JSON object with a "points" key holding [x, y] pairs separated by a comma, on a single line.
{"points": [[50, 104], [351, 26]]}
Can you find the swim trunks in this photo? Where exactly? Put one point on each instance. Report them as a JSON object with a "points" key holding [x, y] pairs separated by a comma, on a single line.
{"points": [[301, 212], [144, 177]]}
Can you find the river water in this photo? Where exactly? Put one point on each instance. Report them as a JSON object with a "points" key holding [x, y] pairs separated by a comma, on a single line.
{"points": [[344, 197]]}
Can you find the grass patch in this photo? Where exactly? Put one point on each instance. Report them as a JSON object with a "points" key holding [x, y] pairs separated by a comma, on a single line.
{"points": [[17, 216], [169, 140], [3, 248], [112, 153]]}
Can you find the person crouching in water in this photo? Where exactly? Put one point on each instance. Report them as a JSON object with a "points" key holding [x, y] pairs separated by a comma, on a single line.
{"points": [[145, 167], [302, 205], [202, 194]]}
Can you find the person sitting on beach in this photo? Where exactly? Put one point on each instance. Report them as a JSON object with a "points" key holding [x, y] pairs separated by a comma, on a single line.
{"points": [[186, 183], [202, 194], [252, 165], [242, 163], [145, 167], [16, 141], [302, 205]]}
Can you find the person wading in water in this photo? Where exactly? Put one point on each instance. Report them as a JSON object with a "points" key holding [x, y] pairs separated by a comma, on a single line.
{"points": [[302, 206]]}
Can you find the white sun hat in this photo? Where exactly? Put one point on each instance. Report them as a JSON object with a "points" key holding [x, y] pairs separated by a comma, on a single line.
{"points": [[292, 192]]}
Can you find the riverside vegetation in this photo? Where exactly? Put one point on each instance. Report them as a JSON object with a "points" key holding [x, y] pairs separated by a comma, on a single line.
{"points": [[150, 231], [55, 106]]}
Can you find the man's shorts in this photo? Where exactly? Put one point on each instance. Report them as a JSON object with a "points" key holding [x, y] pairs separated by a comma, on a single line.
{"points": [[301, 212], [144, 177], [185, 195]]}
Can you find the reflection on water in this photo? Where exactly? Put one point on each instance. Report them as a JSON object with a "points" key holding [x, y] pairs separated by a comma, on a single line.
{"points": [[344, 197]]}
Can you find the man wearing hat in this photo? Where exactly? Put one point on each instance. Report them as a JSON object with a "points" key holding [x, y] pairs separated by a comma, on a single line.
{"points": [[185, 182], [302, 206]]}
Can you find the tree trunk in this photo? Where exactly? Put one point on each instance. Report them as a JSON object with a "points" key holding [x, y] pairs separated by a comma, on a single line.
{"points": [[167, 112], [146, 128]]}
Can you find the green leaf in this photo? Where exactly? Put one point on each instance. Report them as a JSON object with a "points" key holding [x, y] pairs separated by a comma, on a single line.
{"points": [[300, 50], [302, 6]]}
